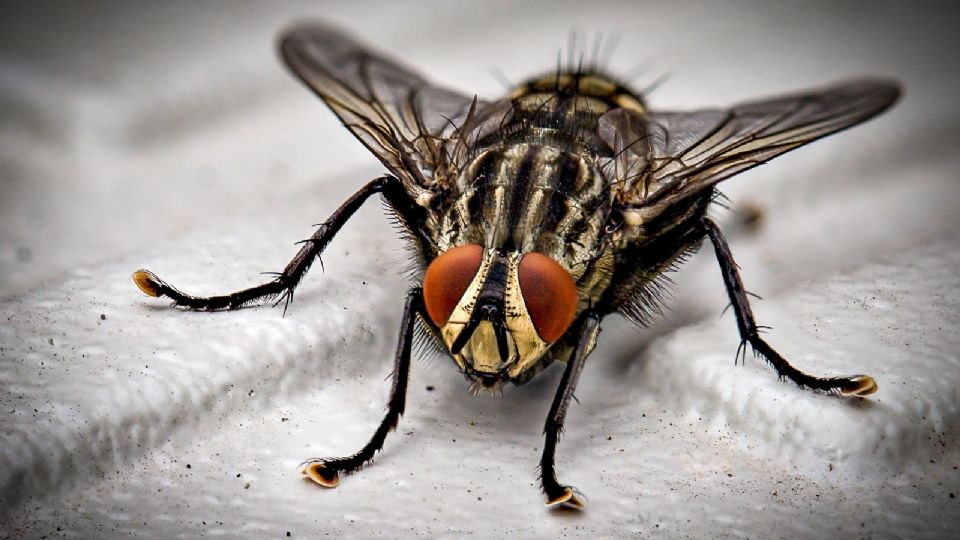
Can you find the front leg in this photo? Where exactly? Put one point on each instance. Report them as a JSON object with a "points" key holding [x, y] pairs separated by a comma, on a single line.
{"points": [[326, 471], [557, 494], [856, 385], [282, 286]]}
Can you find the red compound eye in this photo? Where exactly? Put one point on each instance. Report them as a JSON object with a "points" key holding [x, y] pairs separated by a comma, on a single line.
{"points": [[550, 295], [447, 279]]}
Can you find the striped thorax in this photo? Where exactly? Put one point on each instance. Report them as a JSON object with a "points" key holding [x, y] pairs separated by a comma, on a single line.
{"points": [[535, 203]]}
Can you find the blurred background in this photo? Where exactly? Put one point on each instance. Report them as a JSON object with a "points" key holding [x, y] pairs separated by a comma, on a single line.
{"points": [[170, 136]]}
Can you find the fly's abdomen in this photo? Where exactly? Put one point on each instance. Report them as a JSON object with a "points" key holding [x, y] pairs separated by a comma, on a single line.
{"points": [[572, 97]]}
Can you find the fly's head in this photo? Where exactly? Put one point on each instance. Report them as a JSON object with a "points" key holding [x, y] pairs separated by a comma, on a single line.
{"points": [[498, 312]]}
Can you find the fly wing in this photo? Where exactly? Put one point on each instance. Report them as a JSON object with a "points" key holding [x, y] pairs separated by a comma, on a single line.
{"points": [[666, 157], [406, 121]]}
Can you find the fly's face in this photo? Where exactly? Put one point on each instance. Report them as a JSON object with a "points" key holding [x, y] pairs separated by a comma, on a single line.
{"points": [[498, 311]]}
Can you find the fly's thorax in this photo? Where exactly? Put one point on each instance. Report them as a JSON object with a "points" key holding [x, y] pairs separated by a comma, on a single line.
{"points": [[528, 197], [534, 196], [500, 320]]}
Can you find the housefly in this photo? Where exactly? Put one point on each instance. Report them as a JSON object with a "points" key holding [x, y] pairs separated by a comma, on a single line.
{"points": [[536, 215]]}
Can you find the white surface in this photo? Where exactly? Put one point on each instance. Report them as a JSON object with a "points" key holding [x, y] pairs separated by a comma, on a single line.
{"points": [[170, 138]]}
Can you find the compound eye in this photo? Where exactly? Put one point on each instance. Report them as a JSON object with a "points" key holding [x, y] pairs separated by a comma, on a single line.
{"points": [[448, 278], [549, 293]]}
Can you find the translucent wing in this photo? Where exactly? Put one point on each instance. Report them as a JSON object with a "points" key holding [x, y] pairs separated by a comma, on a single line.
{"points": [[403, 119], [665, 157]]}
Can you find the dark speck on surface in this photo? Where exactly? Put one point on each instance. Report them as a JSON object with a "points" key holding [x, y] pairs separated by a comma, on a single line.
{"points": [[24, 254]]}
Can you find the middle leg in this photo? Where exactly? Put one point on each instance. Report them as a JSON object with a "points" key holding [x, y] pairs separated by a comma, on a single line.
{"points": [[856, 385], [282, 286]]}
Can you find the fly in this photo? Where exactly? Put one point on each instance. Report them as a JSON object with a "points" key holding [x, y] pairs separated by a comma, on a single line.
{"points": [[536, 215]]}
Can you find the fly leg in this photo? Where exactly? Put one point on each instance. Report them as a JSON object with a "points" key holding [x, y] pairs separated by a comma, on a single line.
{"points": [[856, 385], [326, 471], [557, 494], [282, 286]]}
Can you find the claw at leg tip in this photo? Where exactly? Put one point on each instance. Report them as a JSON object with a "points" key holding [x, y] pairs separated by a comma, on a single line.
{"points": [[570, 499], [147, 282], [327, 478], [859, 385]]}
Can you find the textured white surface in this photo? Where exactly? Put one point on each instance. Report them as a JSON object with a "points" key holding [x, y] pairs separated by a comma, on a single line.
{"points": [[170, 138]]}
